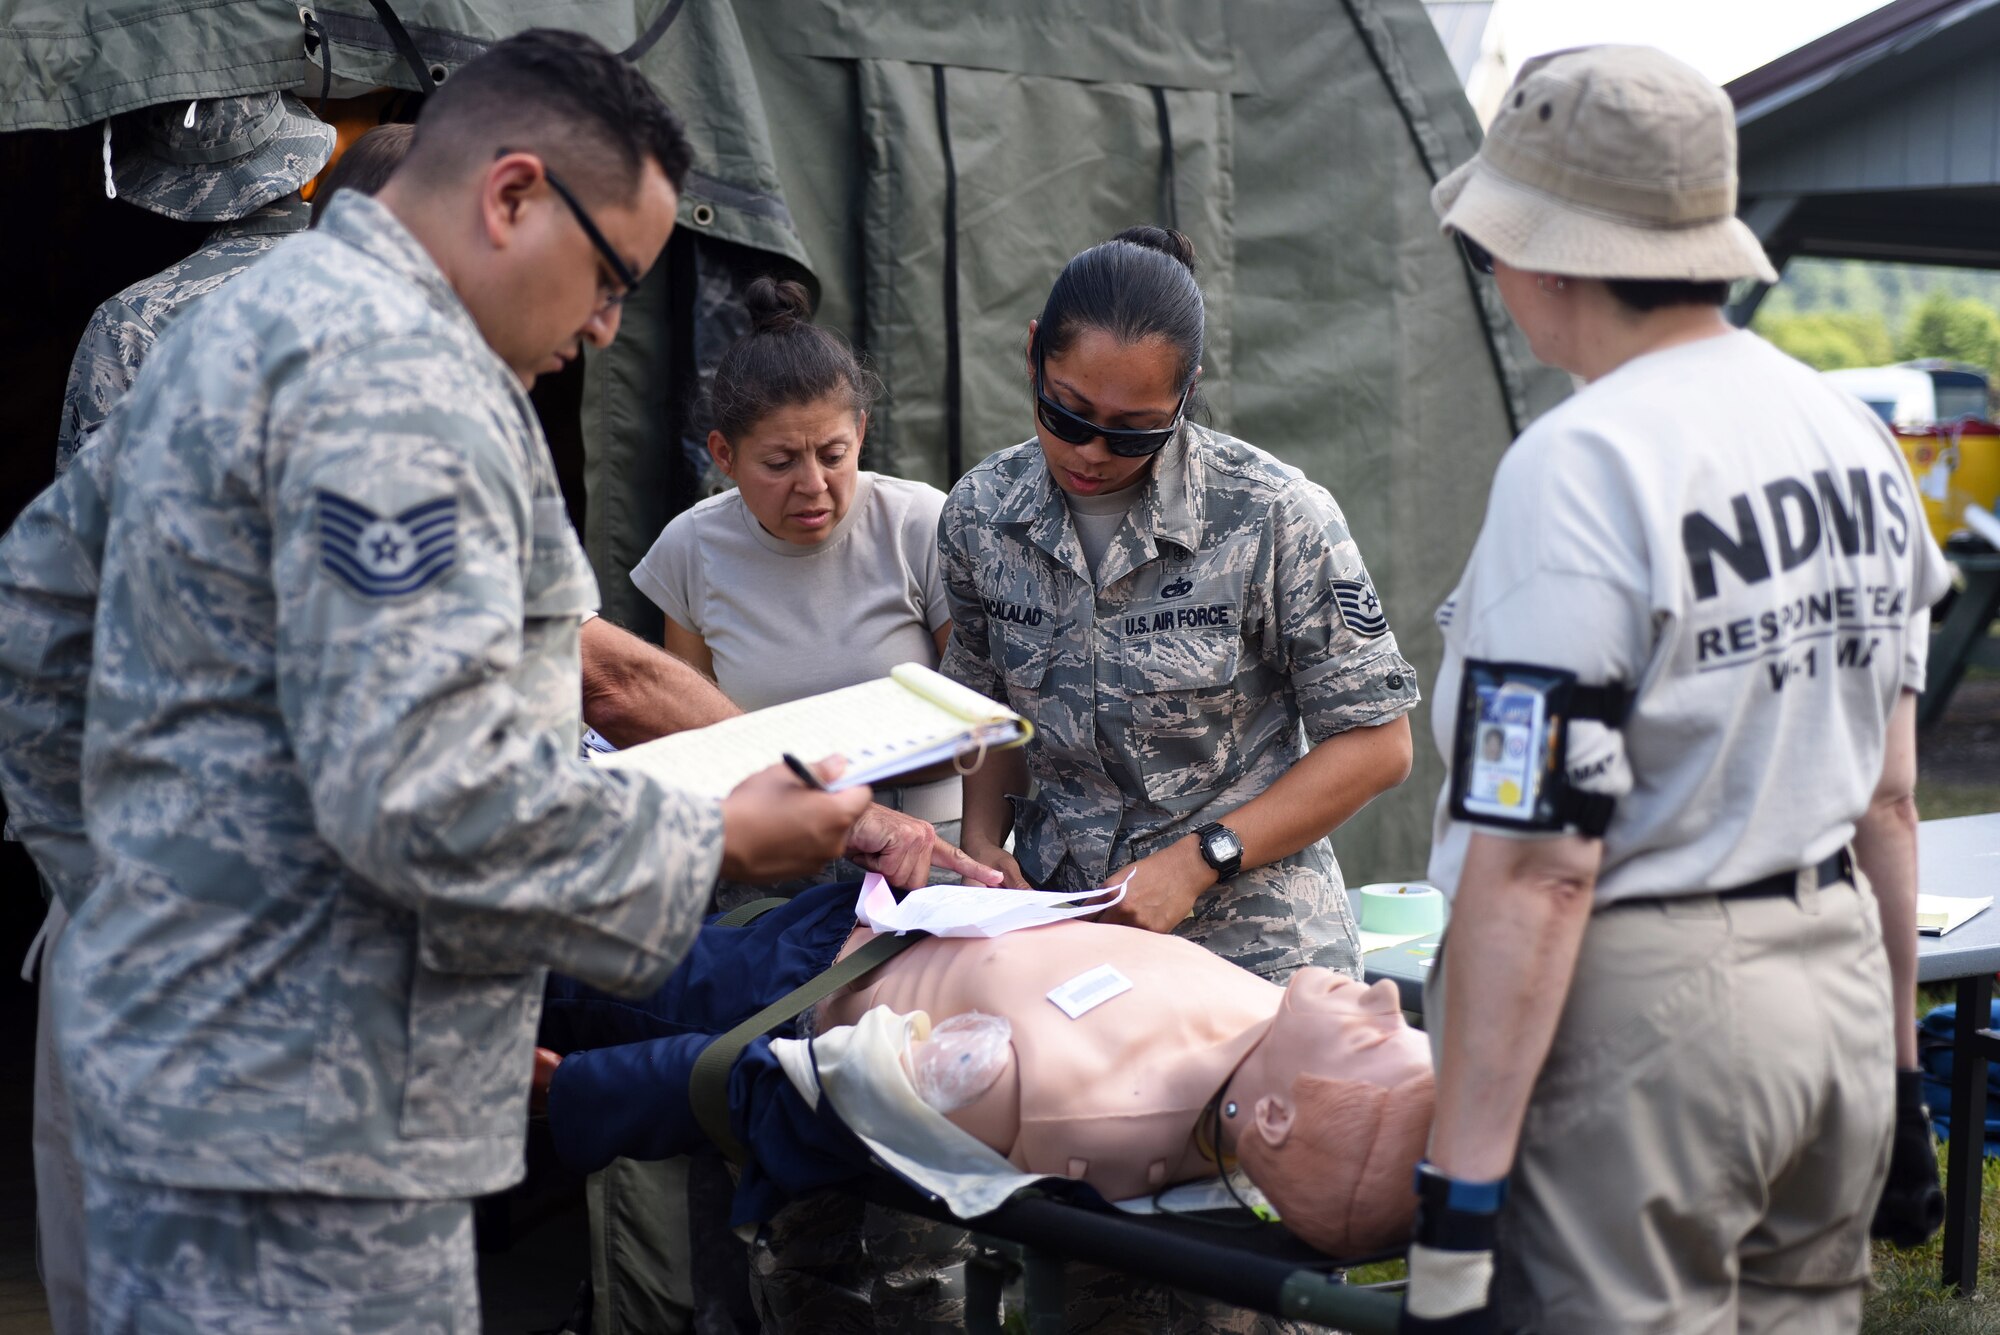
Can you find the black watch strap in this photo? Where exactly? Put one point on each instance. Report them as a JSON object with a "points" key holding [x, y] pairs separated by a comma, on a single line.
{"points": [[1225, 868]]}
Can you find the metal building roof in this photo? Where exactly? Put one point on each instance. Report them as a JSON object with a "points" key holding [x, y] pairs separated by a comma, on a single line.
{"points": [[1880, 140]]}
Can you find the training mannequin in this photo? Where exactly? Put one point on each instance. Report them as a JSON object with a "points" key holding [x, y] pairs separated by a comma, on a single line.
{"points": [[1319, 1088]]}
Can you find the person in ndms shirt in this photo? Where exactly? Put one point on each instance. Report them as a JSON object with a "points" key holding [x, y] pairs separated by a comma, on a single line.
{"points": [[1672, 1045]]}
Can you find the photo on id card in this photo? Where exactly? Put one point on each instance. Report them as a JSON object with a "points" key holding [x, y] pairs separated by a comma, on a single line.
{"points": [[1507, 744]]}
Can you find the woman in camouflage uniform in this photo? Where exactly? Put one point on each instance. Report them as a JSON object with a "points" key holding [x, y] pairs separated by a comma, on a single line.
{"points": [[1187, 623], [1191, 630]]}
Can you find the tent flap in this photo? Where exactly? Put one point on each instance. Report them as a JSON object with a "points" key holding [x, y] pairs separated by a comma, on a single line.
{"points": [[1159, 43], [1082, 161]]}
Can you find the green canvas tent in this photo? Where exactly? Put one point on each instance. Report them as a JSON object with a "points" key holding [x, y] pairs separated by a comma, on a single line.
{"points": [[926, 166]]}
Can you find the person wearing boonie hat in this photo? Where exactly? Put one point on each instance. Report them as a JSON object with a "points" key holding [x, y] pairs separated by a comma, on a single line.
{"points": [[239, 162], [1674, 1055], [236, 161]]}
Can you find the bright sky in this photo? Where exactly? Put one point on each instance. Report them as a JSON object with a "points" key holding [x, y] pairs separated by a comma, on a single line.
{"points": [[1721, 38]]}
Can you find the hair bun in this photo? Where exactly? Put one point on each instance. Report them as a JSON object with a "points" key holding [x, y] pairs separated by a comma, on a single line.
{"points": [[777, 305], [1163, 239]]}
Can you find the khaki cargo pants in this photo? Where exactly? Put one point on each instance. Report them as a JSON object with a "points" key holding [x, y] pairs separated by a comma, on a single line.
{"points": [[1705, 1144]]}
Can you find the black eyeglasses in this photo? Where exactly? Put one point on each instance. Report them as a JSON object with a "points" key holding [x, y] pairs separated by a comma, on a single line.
{"points": [[621, 271], [1066, 425], [627, 280], [1478, 256]]}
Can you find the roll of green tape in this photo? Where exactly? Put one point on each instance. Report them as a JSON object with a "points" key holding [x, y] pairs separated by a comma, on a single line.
{"points": [[1400, 910]]}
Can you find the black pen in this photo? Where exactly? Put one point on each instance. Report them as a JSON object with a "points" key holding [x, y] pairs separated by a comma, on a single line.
{"points": [[804, 771]]}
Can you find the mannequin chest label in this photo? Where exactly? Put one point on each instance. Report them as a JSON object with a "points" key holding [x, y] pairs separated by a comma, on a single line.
{"points": [[1089, 990]]}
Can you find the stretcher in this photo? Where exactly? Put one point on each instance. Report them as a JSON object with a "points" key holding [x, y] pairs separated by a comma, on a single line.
{"points": [[1228, 1256]]}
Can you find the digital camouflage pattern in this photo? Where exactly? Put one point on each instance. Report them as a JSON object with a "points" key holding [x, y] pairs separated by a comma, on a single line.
{"points": [[832, 1264], [1097, 1301], [1174, 688], [50, 561], [340, 821], [123, 330], [218, 158], [165, 1260], [51, 558]]}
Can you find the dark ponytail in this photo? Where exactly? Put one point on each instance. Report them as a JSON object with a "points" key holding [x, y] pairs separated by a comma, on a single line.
{"points": [[1138, 285], [784, 360]]}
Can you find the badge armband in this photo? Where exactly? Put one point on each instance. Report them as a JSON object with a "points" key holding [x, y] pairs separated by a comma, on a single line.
{"points": [[1510, 748]]}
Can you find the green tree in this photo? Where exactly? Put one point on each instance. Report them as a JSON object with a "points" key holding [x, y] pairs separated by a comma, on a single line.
{"points": [[1829, 340], [1961, 329]]}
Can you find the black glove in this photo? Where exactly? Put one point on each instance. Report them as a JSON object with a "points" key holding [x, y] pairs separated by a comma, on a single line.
{"points": [[1451, 1261], [1912, 1204]]}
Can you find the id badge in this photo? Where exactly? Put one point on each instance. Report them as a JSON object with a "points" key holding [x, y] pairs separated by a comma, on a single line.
{"points": [[1507, 751]]}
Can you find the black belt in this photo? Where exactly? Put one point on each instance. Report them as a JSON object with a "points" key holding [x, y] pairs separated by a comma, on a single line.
{"points": [[1836, 867]]}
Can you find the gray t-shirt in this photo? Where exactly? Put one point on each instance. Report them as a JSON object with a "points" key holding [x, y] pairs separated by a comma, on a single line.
{"points": [[1097, 518], [784, 621], [1718, 528]]}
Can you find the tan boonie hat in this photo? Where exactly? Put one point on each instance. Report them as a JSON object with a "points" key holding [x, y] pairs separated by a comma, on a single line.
{"points": [[1608, 162]]}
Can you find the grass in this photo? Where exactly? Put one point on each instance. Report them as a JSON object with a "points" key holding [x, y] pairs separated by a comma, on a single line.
{"points": [[1909, 1299], [1937, 801]]}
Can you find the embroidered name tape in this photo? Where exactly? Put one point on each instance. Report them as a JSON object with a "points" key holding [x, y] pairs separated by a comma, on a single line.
{"points": [[1359, 607], [1087, 991], [387, 556]]}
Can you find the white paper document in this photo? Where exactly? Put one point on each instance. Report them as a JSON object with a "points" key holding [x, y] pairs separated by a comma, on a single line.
{"points": [[975, 910], [1938, 914]]}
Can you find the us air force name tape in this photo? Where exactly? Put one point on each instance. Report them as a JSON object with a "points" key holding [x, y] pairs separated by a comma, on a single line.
{"points": [[1510, 749]]}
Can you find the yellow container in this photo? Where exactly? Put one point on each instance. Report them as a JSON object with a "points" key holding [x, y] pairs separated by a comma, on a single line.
{"points": [[1956, 465]]}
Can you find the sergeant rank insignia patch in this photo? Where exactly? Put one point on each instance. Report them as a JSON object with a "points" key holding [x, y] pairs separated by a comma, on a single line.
{"points": [[1359, 608], [387, 556]]}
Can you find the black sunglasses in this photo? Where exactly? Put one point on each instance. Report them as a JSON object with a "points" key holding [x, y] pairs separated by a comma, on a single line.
{"points": [[1478, 256], [1068, 426], [627, 280]]}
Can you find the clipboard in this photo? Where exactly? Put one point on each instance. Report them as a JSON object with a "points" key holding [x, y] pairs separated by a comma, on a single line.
{"points": [[909, 720]]}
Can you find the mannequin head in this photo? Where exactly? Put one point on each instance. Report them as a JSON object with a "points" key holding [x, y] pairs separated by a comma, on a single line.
{"points": [[1333, 1108]]}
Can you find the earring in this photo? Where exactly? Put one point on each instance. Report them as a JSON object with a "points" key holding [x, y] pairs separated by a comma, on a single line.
{"points": [[1543, 284], [1229, 1108]]}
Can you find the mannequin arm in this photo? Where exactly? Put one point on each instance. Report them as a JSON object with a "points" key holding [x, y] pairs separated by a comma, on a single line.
{"points": [[1517, 926], [1885, 844]]}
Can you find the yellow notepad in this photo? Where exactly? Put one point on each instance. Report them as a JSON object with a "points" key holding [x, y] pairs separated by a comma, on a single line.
{"points": [[906, 721], [1938, 914]]}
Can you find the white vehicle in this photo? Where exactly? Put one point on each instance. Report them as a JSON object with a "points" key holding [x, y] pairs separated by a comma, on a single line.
{"points": [[1917, 394]]}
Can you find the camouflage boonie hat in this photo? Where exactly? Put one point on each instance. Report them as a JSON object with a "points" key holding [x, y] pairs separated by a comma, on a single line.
{"points": [[220, 158]]}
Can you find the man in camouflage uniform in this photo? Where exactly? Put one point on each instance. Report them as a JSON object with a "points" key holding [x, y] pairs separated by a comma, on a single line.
{"points": [[236, 161], [329, 761], [239, 162], [1228, 625]]}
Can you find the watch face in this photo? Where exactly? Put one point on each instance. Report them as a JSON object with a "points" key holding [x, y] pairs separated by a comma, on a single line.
{"points": [[1222, 846]]}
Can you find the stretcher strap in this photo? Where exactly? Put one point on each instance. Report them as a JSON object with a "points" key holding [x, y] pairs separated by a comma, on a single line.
{"points": [[745, 914], [708, 1084]]}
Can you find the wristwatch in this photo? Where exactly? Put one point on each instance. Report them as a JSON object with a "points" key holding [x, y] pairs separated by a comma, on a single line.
{"points": [[1220, 849]]}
